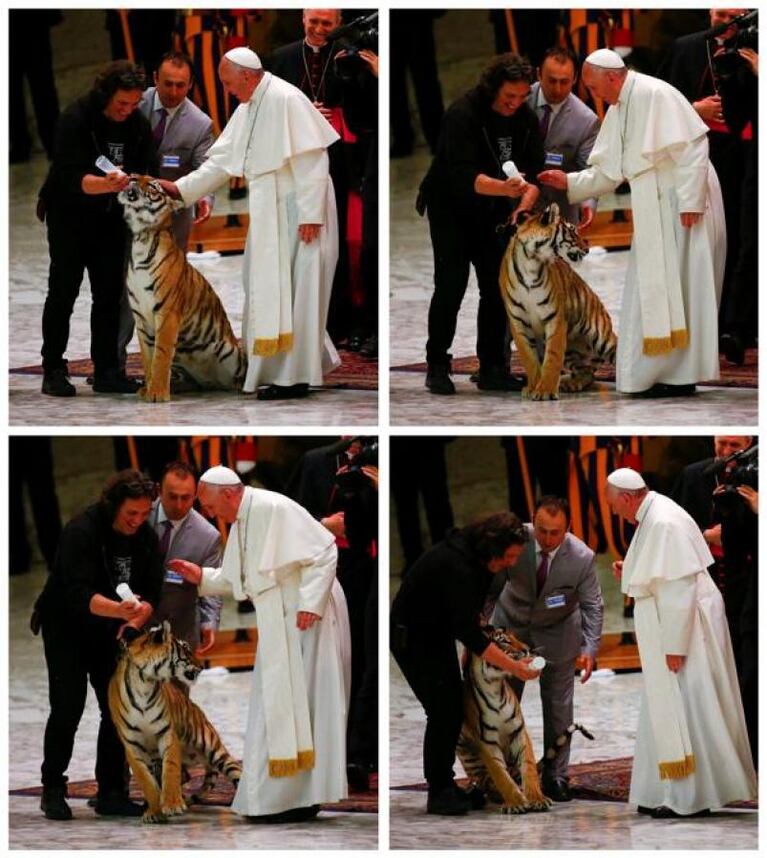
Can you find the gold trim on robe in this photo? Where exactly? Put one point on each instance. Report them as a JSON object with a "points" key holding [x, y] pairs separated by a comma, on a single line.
{"points": [[678, 769], [271, 347]]}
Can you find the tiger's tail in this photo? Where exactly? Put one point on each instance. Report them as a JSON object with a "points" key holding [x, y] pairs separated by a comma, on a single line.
{"points": [[561, 742]]}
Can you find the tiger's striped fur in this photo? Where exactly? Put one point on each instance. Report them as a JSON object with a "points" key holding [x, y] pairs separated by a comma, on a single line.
{"points": [[179, 317], [159, 725], [551, 309]]}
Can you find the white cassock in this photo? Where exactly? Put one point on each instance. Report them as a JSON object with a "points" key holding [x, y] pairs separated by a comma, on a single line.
{"points": [[692, 749], [278, 141], [668, 329], [278, 556]]}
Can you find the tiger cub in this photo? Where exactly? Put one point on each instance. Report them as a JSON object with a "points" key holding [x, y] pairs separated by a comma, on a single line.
{"points": [[159, 725], [493, 740], [551, 309], [179, 317]]}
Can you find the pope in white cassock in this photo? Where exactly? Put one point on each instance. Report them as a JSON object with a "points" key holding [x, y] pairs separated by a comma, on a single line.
{"points": [[278, 141], [692, 752], [284, 561], [652, 137]]}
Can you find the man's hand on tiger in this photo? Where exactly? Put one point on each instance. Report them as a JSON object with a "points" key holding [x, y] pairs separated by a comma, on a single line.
{"points": [[190, 572], [305, 620], [554, 179], [170, 188]]}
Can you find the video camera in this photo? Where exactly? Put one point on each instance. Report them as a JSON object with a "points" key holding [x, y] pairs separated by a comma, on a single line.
{"points": [[356, 36], [352, 479], [746, 35], [745, 472]]}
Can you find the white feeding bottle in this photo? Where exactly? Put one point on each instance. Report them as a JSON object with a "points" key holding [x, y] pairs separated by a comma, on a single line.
{"points": [[125, 593], [106, 166], [510, 170]]}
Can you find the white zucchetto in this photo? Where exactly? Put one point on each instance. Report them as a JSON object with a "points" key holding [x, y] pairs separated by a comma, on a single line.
{"points": [[627, 479], [220, 476], [604, 58], [243, 57]]}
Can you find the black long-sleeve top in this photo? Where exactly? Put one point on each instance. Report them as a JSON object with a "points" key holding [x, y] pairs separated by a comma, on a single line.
{"points": [[443, 593], [85, 567], [82, 134], [474, 139]]}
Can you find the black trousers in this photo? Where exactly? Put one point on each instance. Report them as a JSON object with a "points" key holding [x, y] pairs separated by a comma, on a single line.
{"points": [[76, 244], [457, 244], [362, 730], [73, 662], [432, 671]]}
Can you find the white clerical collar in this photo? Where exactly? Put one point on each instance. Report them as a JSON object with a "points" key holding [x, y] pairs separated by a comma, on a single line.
{"points": [[541, 100], [162, 517], [158, 105], [313, 48], [552, 554], [645, 506]]}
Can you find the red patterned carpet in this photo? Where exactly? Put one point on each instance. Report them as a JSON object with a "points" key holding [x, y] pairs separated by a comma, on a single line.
{"points": [[355, 372], [602, 780], [221, 795], [731, 375]]}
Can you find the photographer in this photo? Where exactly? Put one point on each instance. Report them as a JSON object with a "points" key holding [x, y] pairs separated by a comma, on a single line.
{"points": [[716, 71]]}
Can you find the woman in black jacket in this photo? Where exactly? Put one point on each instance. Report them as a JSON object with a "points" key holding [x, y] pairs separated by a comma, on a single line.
{"points": [[468, 196], [81, 616], [439, 602]]}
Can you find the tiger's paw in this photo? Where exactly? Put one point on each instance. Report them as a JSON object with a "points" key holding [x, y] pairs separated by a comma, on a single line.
{"points": [[174, 808], [543, 395], [151, 816], [540, 805], [508, 809], [149, 395]]}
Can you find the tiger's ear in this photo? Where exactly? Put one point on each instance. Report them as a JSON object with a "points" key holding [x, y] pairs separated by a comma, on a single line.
{"points": [[550, 214]]}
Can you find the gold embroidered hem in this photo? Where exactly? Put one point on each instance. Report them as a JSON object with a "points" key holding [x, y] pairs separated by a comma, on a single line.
{"points": [[287, 768], [269, 348], [678, 769], [653, 346], [305, 760]]}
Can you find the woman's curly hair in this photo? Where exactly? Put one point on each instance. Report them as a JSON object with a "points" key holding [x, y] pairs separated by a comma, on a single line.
{"points": [[505, 68]]}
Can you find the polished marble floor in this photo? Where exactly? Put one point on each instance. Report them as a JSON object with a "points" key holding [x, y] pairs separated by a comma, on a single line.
{"points": [[27, 284], [222, 695]]}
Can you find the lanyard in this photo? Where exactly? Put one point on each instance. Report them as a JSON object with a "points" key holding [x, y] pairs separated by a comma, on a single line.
{"points": [[318, 91]]}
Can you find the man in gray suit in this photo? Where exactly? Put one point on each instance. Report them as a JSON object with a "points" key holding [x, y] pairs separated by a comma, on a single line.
{"points": [[551, 600], [186, 535], [182, 133], [568, 128]]}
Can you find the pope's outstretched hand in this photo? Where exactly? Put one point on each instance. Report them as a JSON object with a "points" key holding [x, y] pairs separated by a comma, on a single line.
{"points": [[189, 571]]}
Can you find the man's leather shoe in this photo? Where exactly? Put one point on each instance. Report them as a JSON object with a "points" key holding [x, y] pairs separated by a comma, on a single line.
{"points": [[557, 790], [449, 801], [660, 391], [369, 348], [438, 379], [56, 383], [53, 803], [295, 814], [358, 777], [733, 348], [278, 391], [476, 797], [114, 381], [117, 804], [496, 378], [664, 812]]}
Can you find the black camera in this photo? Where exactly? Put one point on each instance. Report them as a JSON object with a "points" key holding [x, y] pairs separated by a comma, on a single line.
{"points": [[352, 479], [727, 63], [744, 472], [358, 35]]}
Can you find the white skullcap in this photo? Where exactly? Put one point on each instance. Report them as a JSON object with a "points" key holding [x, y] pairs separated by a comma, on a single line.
{"points": [[604, 58], [627, 479], [220, 475], [243, 57]]}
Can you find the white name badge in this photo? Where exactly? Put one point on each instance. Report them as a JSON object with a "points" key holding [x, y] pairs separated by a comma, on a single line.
{"points": [[171, 161], [557, 600], [172, 577], [554, 159]]}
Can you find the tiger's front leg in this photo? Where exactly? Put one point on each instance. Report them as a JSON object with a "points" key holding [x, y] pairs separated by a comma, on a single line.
{"points": [[531, 782], [141, 768], [166, 337], [529, 358], [172, 799], [553, 359], [513, 799]]}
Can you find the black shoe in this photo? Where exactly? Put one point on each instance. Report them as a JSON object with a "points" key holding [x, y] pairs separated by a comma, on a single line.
{"points": [[296, 814], [56, 383], [733, 348], [476, 797], [369, 348], [664, 812], [647, 811], [53, 803], [496, 378], [355, 342], [557, 789], [114, 381], [117, 804], [438, 379], [358, 776], [448, 801], [661, 390], [278, 391]]}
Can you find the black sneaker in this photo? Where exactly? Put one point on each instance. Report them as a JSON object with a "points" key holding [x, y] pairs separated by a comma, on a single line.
{"points": [[56, 383], [117, 804], [53, 803], [438, 379], [114, 381], [496, 378], [448, 802]]}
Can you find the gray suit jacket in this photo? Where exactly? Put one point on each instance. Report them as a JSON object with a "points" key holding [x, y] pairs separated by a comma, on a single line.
{"points": [[571, 133], [561, 633], [199, 542], [189, 134]]}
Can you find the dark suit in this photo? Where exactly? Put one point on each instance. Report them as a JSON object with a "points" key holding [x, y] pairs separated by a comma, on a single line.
{"points": [[560, 634], [571, 133], [197, 541]]}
